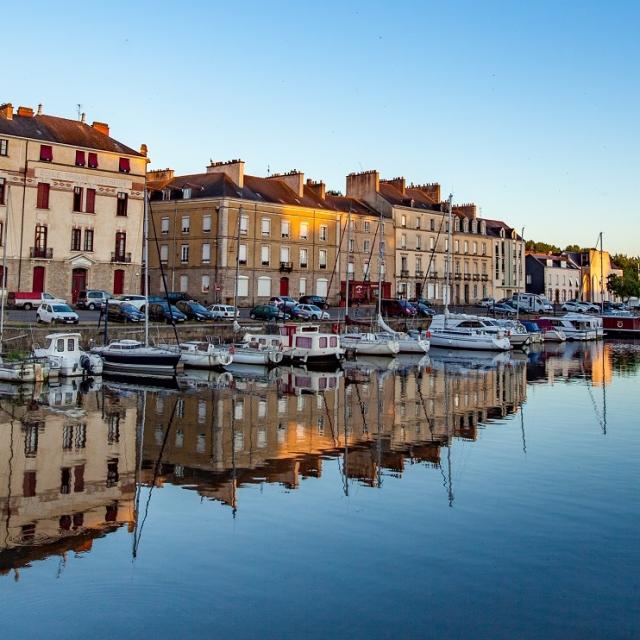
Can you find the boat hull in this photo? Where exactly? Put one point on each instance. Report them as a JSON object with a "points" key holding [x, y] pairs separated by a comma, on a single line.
{"points": [[624, 326], [469, 342], [141, 366]]}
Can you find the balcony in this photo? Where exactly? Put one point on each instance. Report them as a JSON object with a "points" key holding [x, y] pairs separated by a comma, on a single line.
{"points": [[457, 276], [45, 253], [419, 273], [467, 276], [120, 257], [476, 276], [485, 277], [404, 273], [286, 267]]}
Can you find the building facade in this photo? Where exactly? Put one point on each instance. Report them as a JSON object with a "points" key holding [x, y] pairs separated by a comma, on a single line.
{"points": [[508, 259], [556, 277], [71, 205], [595, 268]]}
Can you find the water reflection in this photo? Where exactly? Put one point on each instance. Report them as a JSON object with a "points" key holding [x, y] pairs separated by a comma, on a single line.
{"points": [[74, 459]]}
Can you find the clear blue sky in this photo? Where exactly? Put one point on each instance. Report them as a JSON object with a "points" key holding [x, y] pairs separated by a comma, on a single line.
{"points": [[528, 109]]}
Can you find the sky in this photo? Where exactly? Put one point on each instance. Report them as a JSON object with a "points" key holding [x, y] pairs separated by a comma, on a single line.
{"points": [[528, 109]]}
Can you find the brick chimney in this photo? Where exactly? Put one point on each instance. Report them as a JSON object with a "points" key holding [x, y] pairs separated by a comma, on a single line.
{"points": [[432, 190], [160, 174], [364, 186], [25, 112], [293, 179], [6, 111], [398, 183], [234, 169], [319, 188], [468, 210], [102, 127]]}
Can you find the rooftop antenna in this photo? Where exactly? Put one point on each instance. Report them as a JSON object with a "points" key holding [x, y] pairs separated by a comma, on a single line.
{"points": [[268, 169], [79, 110]]}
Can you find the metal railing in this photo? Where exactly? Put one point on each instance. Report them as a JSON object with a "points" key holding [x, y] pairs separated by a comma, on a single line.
{"points": [[41, 252]]}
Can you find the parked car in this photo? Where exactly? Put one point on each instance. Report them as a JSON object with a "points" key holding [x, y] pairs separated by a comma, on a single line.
{"points": [[279, 301], [163, 312], [92, 299], [574, 306], [31, 299], [194, 310], [424, 309], [56, 313], [268, 312], [319, 301], [401, 308], [547, 306], [614, 306], [224, 311], [487, 302], [313, 312], [504, 309], [137, 301], [175, 296], [124, 312]]}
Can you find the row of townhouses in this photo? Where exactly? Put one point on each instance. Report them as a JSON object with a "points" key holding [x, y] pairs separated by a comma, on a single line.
{"points": [[72, 204]]}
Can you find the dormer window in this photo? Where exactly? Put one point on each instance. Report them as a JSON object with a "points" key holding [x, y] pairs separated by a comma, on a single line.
{"points": [[124, 165], [186, 193], [483, 227], [80, 159], [456, 224], [166, 194], [465, 226], [502, 233], [46, 153], [474, 226]]}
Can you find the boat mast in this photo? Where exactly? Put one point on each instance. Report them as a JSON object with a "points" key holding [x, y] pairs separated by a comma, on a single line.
{"points": [[145, 258], [601, 278], [346, 292], [380, 266], [3, 284], [447, 263], [235, 287]]}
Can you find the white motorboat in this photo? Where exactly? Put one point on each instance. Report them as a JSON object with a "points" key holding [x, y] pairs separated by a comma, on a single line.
{"points": [[550, 332], [25, 371], [573, 328], [516, 332], [462, 331], [63, 351], [411, 342], [203, 355], [370, 344], [131, 358], [589, 323], [257, 352], [303, 343]]}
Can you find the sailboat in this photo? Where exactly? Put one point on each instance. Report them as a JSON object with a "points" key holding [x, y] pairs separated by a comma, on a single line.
{"points": [[460, 331], [132, 358]]}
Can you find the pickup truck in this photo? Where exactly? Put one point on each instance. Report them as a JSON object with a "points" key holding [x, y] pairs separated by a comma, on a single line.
{"points": [[31, 299]]}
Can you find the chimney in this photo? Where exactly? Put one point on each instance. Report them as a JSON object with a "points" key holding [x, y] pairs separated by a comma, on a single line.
{"points": [[364, 186], [467, 210], [83, 117], [39, 112], [102, 127], [160, 174], [432, 190], [398, 183], [144, 150], [293, 179], [234, 169], [25, 112], [6, 111], [319, 188]]}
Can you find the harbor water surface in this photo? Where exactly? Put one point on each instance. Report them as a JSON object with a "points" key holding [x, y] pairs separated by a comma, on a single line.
{"points": [[456, 496]]}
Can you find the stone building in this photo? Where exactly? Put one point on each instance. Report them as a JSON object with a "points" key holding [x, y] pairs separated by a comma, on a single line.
{"points": [[71, 205], [557, 277], [595, 268], [508, 259]]}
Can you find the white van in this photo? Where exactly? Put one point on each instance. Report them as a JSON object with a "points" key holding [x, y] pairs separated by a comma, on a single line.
{"points": [[529, 302]]}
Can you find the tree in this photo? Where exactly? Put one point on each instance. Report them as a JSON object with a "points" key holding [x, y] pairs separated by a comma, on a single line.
{"points": [[541, 247], [625, 287]]}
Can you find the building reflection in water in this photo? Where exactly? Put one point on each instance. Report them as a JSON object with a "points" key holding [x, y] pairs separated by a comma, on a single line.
{"points": [[71, 461]]}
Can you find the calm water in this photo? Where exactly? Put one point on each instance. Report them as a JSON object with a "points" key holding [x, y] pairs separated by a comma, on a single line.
{"points": [[450, 497]]}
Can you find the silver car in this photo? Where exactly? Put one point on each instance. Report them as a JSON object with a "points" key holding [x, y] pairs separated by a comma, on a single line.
{"points": [[224, 311]]}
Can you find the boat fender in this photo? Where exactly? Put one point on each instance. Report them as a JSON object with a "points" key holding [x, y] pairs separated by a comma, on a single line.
{"points": [[620, 324]]}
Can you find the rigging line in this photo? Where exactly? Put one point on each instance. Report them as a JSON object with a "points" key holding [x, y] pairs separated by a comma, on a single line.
{"points": [[156, 471], [593, 401], [433, 251], [336, 261], [373, 244], [10, 478]]}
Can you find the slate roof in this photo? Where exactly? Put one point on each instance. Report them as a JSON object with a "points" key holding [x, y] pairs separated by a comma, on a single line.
{"points": [[63, 131], [557, 260]]}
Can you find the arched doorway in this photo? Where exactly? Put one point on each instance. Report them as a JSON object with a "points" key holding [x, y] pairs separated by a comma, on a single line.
{"points": [[118, 282], [284, 286], [78, 283], [38, 279]]}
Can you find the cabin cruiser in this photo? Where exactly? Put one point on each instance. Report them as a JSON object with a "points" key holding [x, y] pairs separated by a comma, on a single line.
{"points": [[302, 343], [411, 342], [131, 358], [258, 351], [534, 331], [574, 328], [550, 332], [62, 350], [27, 370], [591, 323], [517, 332], [462, 331], [203, 355], [371, 344]]}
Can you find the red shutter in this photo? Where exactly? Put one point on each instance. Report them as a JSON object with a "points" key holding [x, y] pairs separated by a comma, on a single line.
{"points": [[46, 153], [93, 160], [78, 473], [43, 196], [125, 166], [80, 159], [91, 201]]}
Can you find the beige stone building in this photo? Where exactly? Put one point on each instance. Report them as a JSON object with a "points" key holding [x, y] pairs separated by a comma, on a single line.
{"points": [[71, 205]]}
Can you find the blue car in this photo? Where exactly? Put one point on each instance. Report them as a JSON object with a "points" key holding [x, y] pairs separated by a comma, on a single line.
{"points": [[125, 313], [194, 310], [162, 312]]}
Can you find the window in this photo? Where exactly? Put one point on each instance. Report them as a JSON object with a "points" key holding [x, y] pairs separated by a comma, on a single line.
{"points": [[124, 165], [324, 232], [456, 246], [367, 226], [184, 283], [43, 195], [164, 253], [76, 239], [242, 254], [92, 162], [418, 222], [184, 253], [242, 287], [365, 269], [403, 241], [322, 258], [244, 225], [77, 198], [205, 285], [403, 221], [80, 159], [303, 286], [304, 342], [322, 286], [474, 248], [41, 238], [88, 239], [304, 230], [46, 153], [186, 193], [284, 229], [484, 248], [264, 286], [121, 245], [284, 254], [123, 199], [206, 253], [4, 147], [351, 244], [164, 226], [418, 243], [2, 189], [432, 224], [366, 246], [186, 224], [304, 258], [266, 227], [90, 202], [432, 243], [206, 223], [466, 246], [264, 256]]}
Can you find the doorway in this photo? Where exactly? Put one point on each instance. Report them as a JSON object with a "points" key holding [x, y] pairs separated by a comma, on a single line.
{"points": [[78, 283], [38, 279], [284, 286], [118, 282]]}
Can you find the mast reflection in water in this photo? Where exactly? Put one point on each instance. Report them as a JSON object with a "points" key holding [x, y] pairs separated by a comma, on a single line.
{"points": [[422, 451]]}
